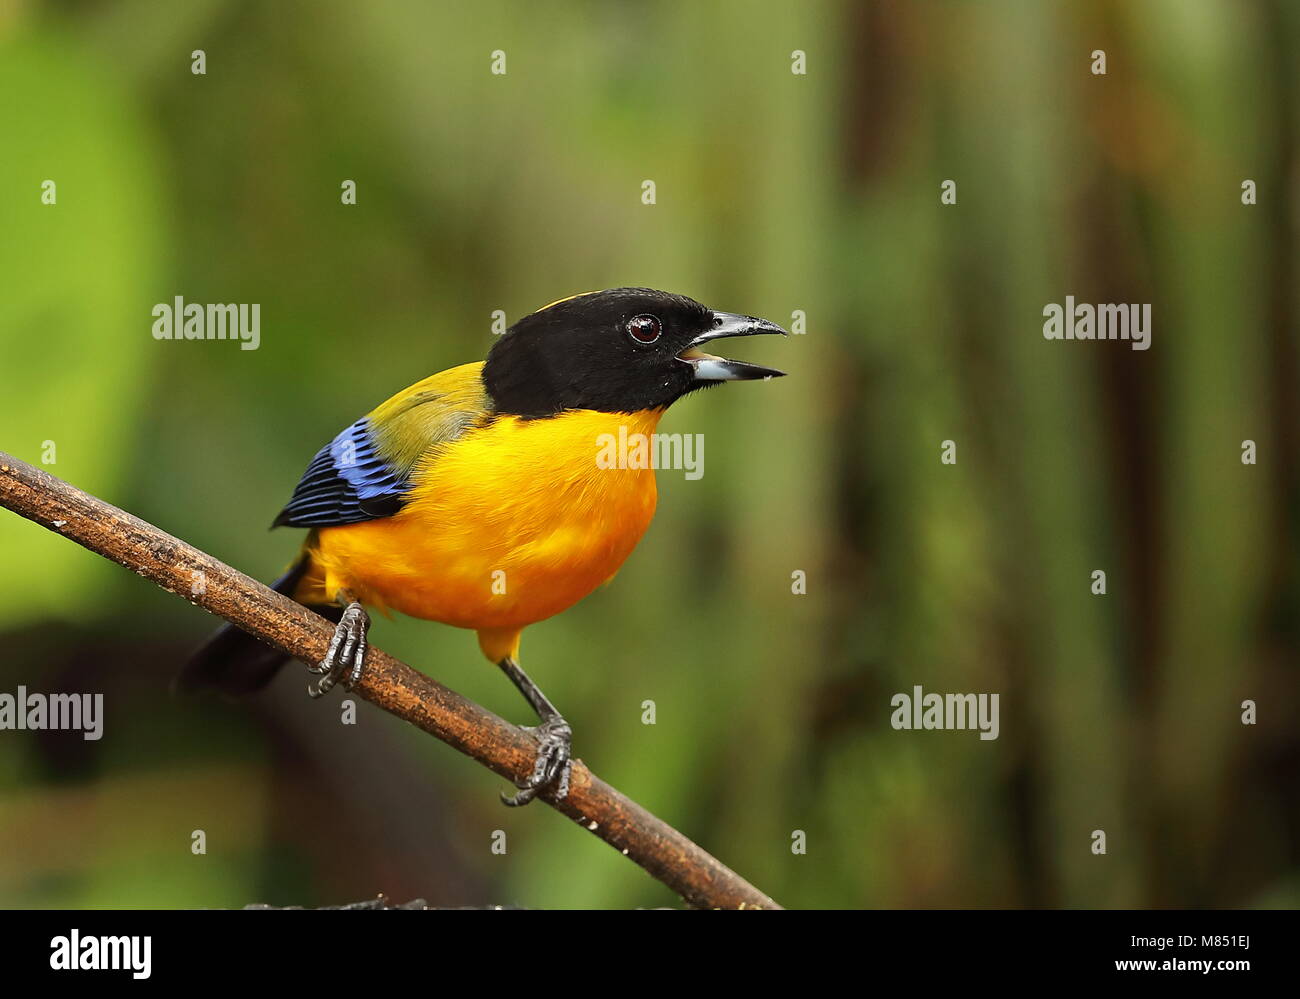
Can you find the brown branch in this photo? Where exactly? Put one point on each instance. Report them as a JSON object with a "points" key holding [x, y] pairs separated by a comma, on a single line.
{"points": [[397, 688]]}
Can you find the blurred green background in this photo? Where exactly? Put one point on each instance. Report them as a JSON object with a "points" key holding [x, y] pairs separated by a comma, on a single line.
{"points": [[776, 192]]}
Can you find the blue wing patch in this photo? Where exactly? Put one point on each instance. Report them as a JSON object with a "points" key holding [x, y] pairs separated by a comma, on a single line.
{"points": [[347, 482]]}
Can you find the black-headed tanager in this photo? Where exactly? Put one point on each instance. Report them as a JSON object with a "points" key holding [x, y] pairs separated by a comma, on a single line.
{"points": [[476, 498]]}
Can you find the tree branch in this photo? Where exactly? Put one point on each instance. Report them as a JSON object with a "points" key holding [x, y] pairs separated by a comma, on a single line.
{"points": [[665, 853]]}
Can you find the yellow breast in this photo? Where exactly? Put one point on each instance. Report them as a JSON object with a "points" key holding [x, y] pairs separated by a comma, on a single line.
{"points": [[513, 523]]}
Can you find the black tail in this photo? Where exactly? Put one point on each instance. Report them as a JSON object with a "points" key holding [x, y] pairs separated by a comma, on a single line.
{"points": [[233, 661]]}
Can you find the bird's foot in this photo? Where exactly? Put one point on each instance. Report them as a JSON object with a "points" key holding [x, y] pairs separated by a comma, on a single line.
{"points": [[554, 764], [347, 652]]}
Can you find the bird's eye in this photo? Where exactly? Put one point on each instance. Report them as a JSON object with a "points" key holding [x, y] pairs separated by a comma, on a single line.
{"points": [[644, 329]]}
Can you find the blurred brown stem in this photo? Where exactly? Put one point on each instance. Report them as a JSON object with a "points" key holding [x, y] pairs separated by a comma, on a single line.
{"points": [[397, 688]]}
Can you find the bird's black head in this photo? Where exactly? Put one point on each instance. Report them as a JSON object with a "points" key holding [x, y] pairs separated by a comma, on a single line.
{"points": [[618, 351]]}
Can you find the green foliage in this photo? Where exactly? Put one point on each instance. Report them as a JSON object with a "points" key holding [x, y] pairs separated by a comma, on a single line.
{"points": [[75, 366]]}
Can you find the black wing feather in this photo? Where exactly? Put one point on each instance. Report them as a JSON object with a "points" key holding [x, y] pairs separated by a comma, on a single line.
{"points": [[348, 481]]}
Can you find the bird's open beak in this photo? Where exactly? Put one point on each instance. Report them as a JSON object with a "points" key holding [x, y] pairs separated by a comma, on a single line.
{"points": [[709, 368]]}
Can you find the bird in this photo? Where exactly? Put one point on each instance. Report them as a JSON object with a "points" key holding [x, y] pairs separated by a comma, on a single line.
{"points": [[475, 497]]}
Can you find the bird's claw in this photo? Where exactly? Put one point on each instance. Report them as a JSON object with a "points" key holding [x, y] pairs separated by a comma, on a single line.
{"points": [[346, 654], [554, 764]]}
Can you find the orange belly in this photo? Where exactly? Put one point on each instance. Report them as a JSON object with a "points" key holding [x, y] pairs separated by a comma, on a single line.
{"points": [[512, 523]]}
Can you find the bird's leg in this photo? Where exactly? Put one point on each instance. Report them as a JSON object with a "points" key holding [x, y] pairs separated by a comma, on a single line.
{"points": [[347, 651], [554, 741]]}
